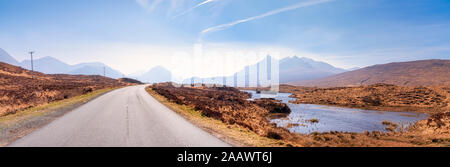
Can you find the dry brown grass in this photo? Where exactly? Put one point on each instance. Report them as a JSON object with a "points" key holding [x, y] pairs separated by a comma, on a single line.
{"points": [[228, 105], [376, 97], [421, 134], [18, 91], [233, 134]]}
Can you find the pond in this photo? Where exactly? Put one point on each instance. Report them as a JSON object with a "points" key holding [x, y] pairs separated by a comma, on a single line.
{"points": [[308, 118]]}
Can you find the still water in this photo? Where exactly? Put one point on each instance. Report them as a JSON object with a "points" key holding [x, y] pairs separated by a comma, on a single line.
{"points": [[335, 118]]}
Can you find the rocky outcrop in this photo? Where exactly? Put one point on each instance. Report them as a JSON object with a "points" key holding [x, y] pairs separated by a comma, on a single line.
{"points": [[272, 105]]}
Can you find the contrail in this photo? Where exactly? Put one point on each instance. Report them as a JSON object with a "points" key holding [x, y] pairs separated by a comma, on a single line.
{"points": [[270, 13], [196, 6]]}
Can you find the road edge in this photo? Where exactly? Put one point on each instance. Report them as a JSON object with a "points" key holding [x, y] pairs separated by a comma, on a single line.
{"points": [[234, 135], [27, 121]]}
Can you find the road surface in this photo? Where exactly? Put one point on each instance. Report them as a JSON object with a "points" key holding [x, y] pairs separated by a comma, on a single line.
{"points": [[124, 117]]}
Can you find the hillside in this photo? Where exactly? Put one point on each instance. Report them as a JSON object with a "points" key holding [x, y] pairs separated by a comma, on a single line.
{"points": [[19, 91], [413, 73]]}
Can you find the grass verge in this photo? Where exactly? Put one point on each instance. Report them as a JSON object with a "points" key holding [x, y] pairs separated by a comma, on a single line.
{"points": [[14, 126], [233, 134]]}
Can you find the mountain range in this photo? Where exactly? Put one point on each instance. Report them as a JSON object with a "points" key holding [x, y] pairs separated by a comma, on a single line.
{"points": [[290, 69], [50, 65], [300, 69], [413, 73]]}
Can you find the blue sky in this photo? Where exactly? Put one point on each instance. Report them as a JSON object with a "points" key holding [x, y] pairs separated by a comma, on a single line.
{"points": [[133, 35]]}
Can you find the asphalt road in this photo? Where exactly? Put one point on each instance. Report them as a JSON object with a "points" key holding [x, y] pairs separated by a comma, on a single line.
{"points": [[122, 118]]}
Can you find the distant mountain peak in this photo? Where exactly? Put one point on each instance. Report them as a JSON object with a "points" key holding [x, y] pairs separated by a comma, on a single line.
{"points": [[155, 75], [158, 67], [297, 59], [49, 58], [96, 64], [51, 65], [5, 57], [306, 59]]}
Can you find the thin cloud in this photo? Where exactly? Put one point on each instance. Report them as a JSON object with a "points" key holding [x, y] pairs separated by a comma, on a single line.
{"points": [[196, 6], [147, 5], [270, 13], [142, 3]]}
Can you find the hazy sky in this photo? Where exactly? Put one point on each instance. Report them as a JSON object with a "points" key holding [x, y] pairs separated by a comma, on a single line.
{"points": [[133, 35]]}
